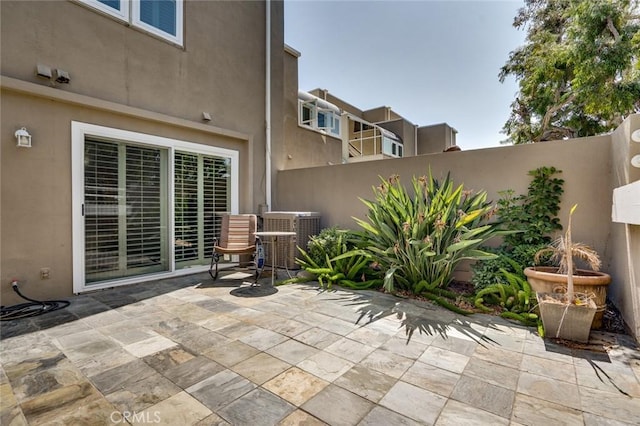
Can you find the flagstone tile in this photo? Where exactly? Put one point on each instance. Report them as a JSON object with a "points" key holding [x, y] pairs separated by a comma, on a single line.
{"points": [[295, 385], [402, 398], [400, 346], [549, 368], [101, 318], [595, 420], [365, 382], [458, 345], [452, 361], [492, 373], [292, 351], [190, 312], [149, 346], [480, 394], [613, 405], [431, 378], [609, 380], [261, 367], [529, 410], [556, 391], [257, 407], [179, 409], [101, 362], [381, 416], [299, 418], [457, 413], [387, 362], [263, 339], [350, 349], [36, 377], [326, 366], [127, 332], [7, 398], [288, 327], [317, 338], [346, 408], [336, 325], [168, 359], [213, 420], [219, 321], [68, 404], [221, 389], [12, 416], [66, 329], [368, 336], [139, 395], [231, 353], [122, 376], [496, 355]]}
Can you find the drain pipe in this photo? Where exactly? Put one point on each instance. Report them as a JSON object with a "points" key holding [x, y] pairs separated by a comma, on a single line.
{"points": [[268, 107]]}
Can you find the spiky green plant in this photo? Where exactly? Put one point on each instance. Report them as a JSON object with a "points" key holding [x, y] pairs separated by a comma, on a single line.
{"points": [[418, 239]]}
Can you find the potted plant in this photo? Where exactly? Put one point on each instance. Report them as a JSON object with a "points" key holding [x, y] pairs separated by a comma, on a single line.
{"points": [[567, 312]]}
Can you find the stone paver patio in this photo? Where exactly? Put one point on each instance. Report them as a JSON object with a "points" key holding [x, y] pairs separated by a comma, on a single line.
{"points": [[188, 351]]}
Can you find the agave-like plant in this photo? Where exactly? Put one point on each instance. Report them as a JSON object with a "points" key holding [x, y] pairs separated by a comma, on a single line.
{"points": [[418, 239], [563, 250]]}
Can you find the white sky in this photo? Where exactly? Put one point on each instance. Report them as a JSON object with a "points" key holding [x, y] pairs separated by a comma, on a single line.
{"points": [[430, 61]]}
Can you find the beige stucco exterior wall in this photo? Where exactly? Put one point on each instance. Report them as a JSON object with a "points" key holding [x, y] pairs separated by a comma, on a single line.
{"points": [[625, 238], [124, 78], [435, 138], [333, 191], [300, 147], [406, 131]]}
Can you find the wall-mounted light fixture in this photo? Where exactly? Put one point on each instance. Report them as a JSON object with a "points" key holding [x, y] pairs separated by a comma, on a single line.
{"points": [[23, 138], [635, 161], [635, 136], [62, 76]]}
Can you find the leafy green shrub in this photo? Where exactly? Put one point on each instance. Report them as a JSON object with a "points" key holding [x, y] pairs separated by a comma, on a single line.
{"points": [[532, 218], [330, 242], [419, 240], [489, 272], [534, 214], [332, 259]]}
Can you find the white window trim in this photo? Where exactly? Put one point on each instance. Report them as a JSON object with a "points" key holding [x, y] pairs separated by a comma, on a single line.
{"points": [[130, 14], [122, 15], [79, 132], [313, 121], [135, 20]]}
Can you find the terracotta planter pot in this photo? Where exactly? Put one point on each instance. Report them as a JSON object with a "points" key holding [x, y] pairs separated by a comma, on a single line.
{"points": [[545, 279]]}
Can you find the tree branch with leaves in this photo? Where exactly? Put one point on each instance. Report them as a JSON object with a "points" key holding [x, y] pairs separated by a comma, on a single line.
{"points": [[578, 71]]}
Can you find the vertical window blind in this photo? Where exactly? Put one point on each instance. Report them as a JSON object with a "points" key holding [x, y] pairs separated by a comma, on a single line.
{"points": [[125, 210]]}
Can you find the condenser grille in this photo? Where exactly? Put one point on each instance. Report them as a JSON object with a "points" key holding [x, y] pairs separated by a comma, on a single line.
{"points": [[304, 224]]}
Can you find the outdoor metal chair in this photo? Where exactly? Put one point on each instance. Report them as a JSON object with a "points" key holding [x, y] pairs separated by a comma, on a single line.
{"points": [[237, 237]]}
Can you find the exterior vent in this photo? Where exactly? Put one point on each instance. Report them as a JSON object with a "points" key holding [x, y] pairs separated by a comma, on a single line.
{"points": [[304, 224]]}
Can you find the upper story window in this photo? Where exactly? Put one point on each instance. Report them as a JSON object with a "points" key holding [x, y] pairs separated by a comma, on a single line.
{"points": [[317, 114], [391, 146], [160, 17]]}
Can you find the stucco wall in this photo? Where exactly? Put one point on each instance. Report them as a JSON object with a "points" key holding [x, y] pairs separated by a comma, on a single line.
{"points": [[220, 69], [334, 190], [300, 147], [124, 78], [36, 185], [625, 238]]}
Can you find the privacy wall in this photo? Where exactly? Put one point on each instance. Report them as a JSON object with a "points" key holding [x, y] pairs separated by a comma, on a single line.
{"points": [[588, 168]]}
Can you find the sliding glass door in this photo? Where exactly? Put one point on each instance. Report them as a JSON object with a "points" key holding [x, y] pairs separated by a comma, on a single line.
{"points": [[201, 194], [145, 205], [125, 210]]}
